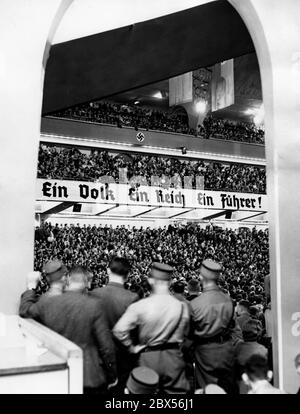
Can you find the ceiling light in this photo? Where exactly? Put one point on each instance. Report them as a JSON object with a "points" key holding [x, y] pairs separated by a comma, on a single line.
{"points": [[250, 111], [158, 95], [200, 107]]}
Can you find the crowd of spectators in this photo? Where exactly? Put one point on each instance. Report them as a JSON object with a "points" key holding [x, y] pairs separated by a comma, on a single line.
{"points": [[129, 115], [73, 164], [235, 131], [243, 253], [168, 120]]}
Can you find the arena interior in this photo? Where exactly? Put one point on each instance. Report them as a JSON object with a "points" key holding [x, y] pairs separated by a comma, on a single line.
{"points": [[165, 167]]}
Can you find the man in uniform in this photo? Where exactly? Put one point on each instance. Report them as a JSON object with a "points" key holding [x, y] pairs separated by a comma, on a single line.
{"points": [[212, 316], [163, 322], [56, 274], [116, 299], [81, 319]]}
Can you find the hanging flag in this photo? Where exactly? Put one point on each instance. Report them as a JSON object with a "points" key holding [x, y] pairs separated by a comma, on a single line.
{"points": [[222, 85], [181, 89]]}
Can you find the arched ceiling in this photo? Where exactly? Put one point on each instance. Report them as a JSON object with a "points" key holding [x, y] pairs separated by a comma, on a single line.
{"points": [[97, 66]]}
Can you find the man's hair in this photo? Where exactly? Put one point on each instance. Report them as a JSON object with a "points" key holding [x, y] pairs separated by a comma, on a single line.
{"points": [[257, 368], [80, 272], [244, 304], [193, 285], [120, 266], [178, 287]]}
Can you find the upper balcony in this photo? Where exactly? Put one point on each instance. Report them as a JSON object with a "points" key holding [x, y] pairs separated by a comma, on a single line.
{"points": [[92, 134]]}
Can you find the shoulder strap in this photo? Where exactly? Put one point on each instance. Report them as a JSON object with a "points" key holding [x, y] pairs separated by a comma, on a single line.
{"points": [[176, 325], [229, 326]]}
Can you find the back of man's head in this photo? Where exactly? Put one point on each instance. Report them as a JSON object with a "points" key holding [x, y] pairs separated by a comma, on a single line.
{"points": [[120, 266], [250, 330], [256, 368], [193, 286], [178, 287], [244, 305], [78, 279]]}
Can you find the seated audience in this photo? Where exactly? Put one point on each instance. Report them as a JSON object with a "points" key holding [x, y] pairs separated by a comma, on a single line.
{"points": [[243, 253], [137, 116], [56, 162]]}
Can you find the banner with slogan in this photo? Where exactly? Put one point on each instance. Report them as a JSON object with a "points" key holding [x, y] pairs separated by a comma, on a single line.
{"points": [[87, 192]]}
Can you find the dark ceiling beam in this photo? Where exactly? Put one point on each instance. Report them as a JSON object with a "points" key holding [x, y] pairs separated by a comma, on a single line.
{"points": [[97, 66], [183, 212], [108, 209], [146, 211], [216, 215], [60, 207]]}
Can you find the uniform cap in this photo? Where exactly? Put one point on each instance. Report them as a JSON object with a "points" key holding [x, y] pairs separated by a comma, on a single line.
{"points": [[213, 389], [54, 270], [142, 380], [210, 269], [161, 271]]}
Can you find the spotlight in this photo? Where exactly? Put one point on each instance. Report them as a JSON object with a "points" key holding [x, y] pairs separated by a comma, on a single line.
{"points": [[158, 95]]}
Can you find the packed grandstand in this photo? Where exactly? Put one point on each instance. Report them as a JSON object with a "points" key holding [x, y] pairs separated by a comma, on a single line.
{"points": [[113, 113], [57, 162], [243, 253]]}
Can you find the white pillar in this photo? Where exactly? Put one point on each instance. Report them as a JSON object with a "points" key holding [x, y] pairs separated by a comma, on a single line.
{"points": [[26, 31], [275, 29]]}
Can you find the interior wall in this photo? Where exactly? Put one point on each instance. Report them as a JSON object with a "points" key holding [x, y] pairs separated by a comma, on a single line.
{"points": [[275, 29], [26, 29]]}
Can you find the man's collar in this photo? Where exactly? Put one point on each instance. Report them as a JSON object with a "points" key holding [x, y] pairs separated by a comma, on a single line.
{"points": [[208, 288], [117, 284], [260, 384], [115, 279]]}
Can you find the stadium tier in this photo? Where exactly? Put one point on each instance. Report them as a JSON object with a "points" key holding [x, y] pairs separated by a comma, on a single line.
{"points": [[243, 253], [64, 163], [153, 119]]}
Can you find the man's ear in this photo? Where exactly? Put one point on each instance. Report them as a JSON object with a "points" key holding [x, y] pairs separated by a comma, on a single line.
{"points": [[269, 375], [245, 378]]}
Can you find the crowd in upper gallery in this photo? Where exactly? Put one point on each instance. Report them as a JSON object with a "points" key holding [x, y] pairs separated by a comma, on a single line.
{"points": [[138, 117]]}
